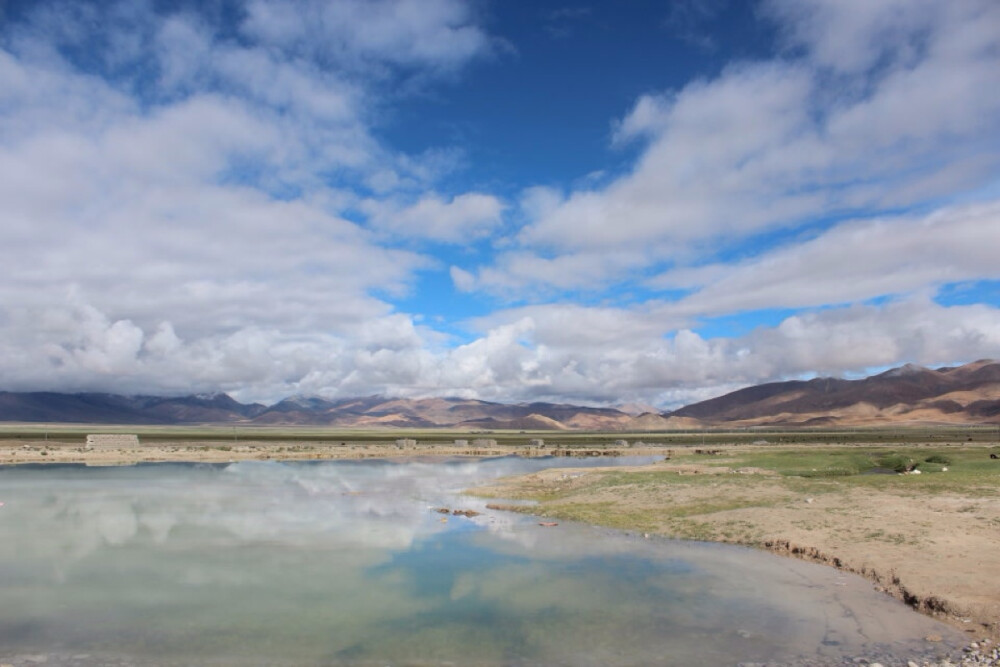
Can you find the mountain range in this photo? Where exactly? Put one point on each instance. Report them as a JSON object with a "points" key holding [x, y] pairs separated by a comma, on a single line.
{"points": [[909, 394]]}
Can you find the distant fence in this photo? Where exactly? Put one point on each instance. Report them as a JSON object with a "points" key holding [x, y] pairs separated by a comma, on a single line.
{"points": [[112, 440]]}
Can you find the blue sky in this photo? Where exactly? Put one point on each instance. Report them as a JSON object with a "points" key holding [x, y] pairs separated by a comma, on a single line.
{"points": [[637, 202]]}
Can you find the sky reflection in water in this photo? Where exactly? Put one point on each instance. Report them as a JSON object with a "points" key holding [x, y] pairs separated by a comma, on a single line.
{"points": [[346, 563]]}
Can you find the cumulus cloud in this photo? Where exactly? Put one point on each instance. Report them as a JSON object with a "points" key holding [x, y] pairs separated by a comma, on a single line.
{"points": [[854, 36], [438, 33], [607, 355], [769, 146], [462, 279], [195, 207], [523, 272], [853, 261], [584, 354], [167, 223], [465, 218]]}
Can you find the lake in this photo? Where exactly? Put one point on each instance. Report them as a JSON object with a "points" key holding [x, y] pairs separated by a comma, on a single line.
{"points": [[347, 562]]}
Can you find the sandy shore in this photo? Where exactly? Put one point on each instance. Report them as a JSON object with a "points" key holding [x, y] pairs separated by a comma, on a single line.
{"points": [[938, 552]]}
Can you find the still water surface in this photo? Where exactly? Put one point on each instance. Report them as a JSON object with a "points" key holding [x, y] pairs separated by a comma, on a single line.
{"points": [[343, 562]]}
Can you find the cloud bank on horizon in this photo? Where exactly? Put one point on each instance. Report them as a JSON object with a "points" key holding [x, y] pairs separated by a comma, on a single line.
{"points": [[507, 201]]}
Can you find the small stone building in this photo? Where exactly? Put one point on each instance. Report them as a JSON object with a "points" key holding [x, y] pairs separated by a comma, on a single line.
{"points": [[112, 440]]}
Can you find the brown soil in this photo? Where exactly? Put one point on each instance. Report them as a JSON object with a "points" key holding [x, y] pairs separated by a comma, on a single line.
{"points": [[44, 451], [939, 554]]}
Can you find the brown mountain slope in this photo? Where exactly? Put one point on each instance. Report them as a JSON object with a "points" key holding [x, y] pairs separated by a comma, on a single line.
{"points": [[963, 394], [910, 394]]}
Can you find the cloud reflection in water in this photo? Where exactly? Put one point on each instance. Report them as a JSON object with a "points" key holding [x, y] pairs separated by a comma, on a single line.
{"points": [[343, 562]]}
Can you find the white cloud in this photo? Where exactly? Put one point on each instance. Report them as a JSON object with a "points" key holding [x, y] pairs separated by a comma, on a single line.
{"points": [[576, 327], [463, 280], [851, 262], [854, 35], [183, 214], [176, 190], [598, 355], [613, 355], [646, 119], [711, 160], [435, 33], [859, 337], [769, 146], [465, 218], [522, 273]]}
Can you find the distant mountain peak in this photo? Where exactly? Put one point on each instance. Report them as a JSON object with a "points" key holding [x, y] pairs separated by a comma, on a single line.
{"points": [[968, 394], [212, 396], [303, 399], [962, 394], [636, 409], [905, 370]]}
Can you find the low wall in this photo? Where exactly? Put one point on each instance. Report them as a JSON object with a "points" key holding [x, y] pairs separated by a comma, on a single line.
{"points": [[112, 440]]}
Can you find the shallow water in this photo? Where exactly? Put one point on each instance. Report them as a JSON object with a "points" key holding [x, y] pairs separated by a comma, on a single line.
{"points": [[347, 563]]}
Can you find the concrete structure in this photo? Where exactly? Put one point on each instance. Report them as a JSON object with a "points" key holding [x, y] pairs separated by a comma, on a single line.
{"points": [[461, 443], [484, 442], [537, 442], [621, 443], [406, 442], [112, 440]]}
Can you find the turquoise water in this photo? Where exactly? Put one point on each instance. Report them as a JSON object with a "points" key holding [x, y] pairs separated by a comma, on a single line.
{"points": [[265, 563]]}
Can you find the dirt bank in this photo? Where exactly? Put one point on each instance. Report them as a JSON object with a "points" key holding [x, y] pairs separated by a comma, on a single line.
{"points": [[931, 541]]}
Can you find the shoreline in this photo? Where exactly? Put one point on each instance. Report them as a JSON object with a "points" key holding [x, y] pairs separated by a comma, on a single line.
{"points": [[214, 451], [888, 536], [937, 554]]}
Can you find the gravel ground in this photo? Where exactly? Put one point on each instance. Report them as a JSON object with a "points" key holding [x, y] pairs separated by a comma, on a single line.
{"points": [[976, 654]]}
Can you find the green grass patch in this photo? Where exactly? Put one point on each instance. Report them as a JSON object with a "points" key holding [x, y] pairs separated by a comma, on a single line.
{"points": [[648, 500], [609, 514], [697, 509]]}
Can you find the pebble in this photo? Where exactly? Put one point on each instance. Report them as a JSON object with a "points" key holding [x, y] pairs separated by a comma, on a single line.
{"points": [[976, 654], [983, 653]]}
